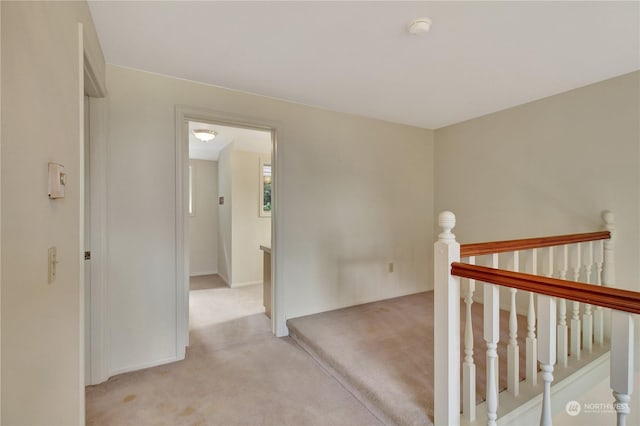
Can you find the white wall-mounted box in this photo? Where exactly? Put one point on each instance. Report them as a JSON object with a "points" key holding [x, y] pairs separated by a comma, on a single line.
{"points": [[57, 180]]}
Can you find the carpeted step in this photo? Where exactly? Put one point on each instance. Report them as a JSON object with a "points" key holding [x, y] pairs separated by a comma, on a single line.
{"points": [[382, 352], [375, 354]]}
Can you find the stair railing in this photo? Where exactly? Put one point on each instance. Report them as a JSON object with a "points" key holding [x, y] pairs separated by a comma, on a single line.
{"points": [[551, 342]]}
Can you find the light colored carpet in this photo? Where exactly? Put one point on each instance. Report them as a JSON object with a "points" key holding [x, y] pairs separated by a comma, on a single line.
{"points": [[236, 373], [383, 352]]}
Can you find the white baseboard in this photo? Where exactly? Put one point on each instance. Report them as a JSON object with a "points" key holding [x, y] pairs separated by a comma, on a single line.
{"points": [[226, 281], [144, 365], [199, 274], [246, 283]]}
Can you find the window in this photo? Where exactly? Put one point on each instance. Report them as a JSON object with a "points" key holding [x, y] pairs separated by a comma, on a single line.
{"points": [[265, 189]]}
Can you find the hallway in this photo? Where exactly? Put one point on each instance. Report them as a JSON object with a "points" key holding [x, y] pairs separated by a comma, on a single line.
{"points": [[235, 372]]}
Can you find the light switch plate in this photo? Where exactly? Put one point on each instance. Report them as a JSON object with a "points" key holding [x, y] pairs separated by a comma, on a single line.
{"points": [[53, 260]]}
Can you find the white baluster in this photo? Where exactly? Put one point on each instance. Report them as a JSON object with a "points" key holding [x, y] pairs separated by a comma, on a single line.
{"points": [[446, 325], [491, 336], [546, 351], [469, 367], [513, 350], [622, 363], [532, 343], [587, 319], [565, 262], [598, 317], [563, 332], [495, 264], [575, 318]]}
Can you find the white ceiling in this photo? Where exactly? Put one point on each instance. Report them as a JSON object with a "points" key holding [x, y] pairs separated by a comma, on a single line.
{"points": [[242, 139], [357, 57]]}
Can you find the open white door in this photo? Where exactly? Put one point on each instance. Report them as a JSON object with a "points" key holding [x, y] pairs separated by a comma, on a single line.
{"points": [[87, 246]]}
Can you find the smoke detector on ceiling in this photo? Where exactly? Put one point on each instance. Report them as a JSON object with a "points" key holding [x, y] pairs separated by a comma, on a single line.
{"points": [[419, 26]]}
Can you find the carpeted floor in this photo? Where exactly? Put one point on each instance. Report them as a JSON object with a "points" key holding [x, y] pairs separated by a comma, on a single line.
{"points": [[235, 373], [383, 352]]}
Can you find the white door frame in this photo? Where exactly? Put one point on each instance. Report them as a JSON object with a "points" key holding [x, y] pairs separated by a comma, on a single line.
{"points": [[184, 114], [98, 177]]}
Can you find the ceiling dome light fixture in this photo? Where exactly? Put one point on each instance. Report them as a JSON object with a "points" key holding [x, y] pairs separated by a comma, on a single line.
{"points": [[205, 135], [419, 26]]}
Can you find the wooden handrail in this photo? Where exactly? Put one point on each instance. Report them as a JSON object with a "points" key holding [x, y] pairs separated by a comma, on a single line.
{"points": [[614, 298], [478, 249]]}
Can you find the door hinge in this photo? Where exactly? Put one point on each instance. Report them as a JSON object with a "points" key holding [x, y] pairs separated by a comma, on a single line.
{"points": [[87, 255]]}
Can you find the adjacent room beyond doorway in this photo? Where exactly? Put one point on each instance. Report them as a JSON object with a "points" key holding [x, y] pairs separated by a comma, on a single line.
{"points": [[229, 207]]}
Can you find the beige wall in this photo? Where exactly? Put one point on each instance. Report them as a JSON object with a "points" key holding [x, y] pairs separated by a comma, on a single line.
{"points": [[548, 167], [203, 224], [241, 230], [42, 121], [249, 230], [354, 193]]}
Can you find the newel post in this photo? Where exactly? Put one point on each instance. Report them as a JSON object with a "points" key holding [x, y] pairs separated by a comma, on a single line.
{"points": [[446, 325], [621, 373]]}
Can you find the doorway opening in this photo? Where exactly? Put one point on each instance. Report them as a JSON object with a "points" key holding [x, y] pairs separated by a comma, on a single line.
{"points": [[229, 223]]}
